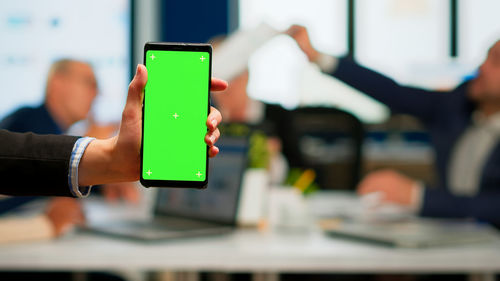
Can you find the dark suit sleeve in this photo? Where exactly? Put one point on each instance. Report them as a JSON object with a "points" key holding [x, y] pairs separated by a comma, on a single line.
{"points": [[33, 164], [439, 202], [420, 103]]}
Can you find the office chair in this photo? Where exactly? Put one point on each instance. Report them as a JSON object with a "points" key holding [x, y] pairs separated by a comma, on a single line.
{"points": [[327, 140]]}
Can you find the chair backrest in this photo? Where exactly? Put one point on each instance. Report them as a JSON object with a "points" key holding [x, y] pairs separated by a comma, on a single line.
{"points": [[329, 141]]}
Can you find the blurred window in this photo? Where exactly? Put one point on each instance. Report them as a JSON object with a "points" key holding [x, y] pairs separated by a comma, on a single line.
{"points": [[326, 20], [36, 33], [402, 37], [479, 28]]}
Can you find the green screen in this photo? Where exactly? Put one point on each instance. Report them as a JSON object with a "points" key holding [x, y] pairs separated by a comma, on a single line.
{"points": [[175, 115]]}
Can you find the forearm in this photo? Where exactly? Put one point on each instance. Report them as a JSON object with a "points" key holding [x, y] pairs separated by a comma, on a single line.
{"points": [[400, 99], [484, 206], [39, 162]]}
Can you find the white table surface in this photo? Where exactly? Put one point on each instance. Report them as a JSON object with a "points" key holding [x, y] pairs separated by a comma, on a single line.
{"points": [[246, 251]]}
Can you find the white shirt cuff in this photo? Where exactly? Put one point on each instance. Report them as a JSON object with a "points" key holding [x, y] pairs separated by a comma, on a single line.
{"points": [[327, 63], [76, 155]]}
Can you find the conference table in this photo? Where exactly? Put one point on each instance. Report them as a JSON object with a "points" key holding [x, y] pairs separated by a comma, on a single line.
{"points": [[265, 253]]}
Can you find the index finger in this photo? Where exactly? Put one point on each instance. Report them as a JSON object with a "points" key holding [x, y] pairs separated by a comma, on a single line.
{"points": [[217, 84]]}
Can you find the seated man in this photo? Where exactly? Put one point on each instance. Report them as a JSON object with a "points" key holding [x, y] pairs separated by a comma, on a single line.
{"points": [[464, 125], [71, 88], [237, 107]]}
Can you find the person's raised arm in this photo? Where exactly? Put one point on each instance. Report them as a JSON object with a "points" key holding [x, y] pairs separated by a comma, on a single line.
{"points": [[420, 103]]}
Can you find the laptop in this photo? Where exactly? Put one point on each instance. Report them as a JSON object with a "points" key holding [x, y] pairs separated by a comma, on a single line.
{"points": [[182, 212], [411, 233]]}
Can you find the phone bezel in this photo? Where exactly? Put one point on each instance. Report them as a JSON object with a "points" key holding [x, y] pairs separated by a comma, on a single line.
{"points": [[187, 47]]}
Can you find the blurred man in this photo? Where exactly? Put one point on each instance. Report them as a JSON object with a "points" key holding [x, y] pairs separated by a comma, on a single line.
{"points": [[235, 104], [237, 107], [464, 125], [70, 90]]}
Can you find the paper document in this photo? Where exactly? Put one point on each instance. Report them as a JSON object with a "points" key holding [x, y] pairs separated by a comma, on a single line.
{"points": [[320, 89], [231, 58]]}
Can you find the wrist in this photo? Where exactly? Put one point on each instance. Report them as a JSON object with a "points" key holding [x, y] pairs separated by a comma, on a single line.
{"points": [[416, 196], [314, 56], [96, 166]]}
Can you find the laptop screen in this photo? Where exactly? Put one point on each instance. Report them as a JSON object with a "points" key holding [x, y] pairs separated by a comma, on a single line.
{"points": [[218, 202]]}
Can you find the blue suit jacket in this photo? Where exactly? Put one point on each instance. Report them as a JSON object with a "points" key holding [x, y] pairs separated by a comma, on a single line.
{"points": [[31, 119], [446, 115]]}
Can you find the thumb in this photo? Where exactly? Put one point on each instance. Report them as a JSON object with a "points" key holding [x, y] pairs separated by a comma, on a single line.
{"points": [[136, 87]]}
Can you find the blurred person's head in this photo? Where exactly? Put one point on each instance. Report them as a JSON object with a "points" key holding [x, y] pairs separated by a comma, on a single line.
{"points": [[71, 89], [234, 102], [485, 88]]}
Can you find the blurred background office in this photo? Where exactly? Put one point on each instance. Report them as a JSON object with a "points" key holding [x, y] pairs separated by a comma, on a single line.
{"points": [[422, 43], [430, 44]]}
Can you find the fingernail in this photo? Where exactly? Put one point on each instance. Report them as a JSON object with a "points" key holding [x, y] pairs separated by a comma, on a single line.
{"points": [[212, 139], [214, 122], [137, 69]]}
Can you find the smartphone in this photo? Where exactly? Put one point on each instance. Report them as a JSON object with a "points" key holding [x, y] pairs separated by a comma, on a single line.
{"points": [[175, 110]]}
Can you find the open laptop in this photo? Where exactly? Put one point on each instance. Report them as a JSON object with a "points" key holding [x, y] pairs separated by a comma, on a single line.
{"points": [[411, 233], [180, 212]]}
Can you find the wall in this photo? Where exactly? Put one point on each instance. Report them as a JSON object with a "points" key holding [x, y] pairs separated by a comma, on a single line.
{"points": [[194, 21]]}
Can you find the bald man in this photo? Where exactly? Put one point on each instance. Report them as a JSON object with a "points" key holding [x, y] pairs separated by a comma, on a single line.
{"points": [[71, 89]]}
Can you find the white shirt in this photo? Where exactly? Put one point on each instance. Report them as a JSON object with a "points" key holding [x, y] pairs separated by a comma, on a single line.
{"points": [[471, 153]]}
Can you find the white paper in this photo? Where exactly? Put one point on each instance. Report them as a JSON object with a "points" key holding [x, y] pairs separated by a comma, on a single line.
{"points": [[317, 88], [231, 58]]}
